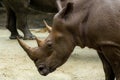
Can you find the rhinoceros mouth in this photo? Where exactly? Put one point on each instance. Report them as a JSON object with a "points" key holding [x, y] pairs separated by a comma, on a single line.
{"points": [[45, 70]]}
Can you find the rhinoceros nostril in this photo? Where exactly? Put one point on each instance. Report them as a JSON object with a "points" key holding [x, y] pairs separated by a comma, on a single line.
{"points": [[41, 67], [43, 70]]}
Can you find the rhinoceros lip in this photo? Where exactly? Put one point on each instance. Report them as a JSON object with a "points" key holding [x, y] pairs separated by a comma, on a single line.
{"points": [[44, 74], [46, 71]]}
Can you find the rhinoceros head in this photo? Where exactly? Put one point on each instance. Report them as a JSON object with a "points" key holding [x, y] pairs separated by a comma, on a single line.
{"points": [[54, 50]]}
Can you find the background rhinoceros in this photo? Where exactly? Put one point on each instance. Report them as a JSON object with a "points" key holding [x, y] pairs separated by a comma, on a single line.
{"points": [[17, 11]]}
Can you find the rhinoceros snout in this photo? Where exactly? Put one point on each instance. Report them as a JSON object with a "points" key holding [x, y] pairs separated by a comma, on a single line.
{"points": [[43, 70]]}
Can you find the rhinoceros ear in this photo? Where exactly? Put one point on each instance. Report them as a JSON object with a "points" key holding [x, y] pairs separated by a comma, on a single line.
{"points": [[59, 5], [64, 13]]}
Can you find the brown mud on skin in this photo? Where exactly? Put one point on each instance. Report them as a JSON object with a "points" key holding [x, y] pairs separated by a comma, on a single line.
{"points": [[83, 64]]}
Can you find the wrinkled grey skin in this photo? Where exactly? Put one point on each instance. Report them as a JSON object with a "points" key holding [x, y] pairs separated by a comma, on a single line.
{"points": [[17, 11], [85, 23]]}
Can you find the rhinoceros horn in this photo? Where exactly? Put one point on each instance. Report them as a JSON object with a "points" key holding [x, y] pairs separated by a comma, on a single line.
{"points": [[47, 26], [39, 42], [28, 49]]}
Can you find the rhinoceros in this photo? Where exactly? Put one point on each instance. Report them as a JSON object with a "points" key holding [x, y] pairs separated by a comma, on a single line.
{"points": [[85, 23], [17, 11]]}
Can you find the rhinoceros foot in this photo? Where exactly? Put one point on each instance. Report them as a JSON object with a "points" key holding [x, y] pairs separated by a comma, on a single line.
{"points": [[29, 37], [15, 36]]}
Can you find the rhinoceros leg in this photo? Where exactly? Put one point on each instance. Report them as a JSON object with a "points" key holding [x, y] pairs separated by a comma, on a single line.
{"points": [[22, 25], [112, 54], [11, 23], [109, 75]]}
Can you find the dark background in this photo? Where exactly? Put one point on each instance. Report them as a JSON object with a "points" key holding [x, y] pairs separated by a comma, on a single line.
{"points": [[35, 18]]}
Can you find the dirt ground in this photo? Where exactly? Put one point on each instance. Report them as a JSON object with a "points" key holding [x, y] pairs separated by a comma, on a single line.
{"points": [[83, 64]]}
